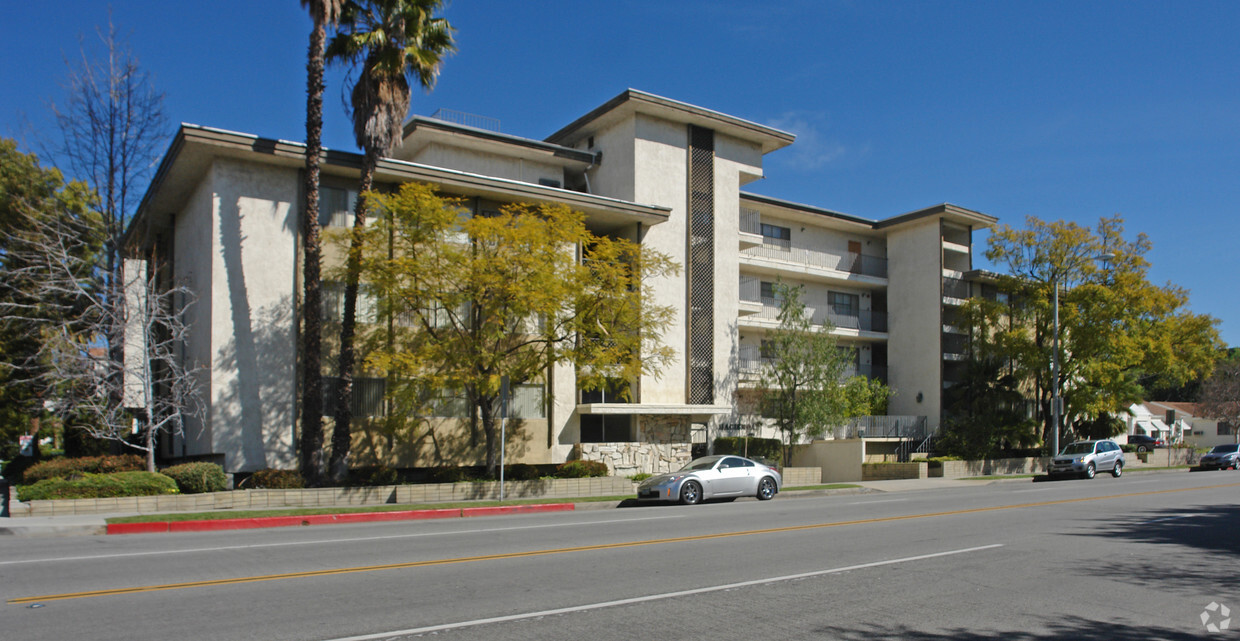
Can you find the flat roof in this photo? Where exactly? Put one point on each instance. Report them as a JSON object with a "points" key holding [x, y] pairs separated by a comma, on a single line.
{"points": [[631, 101]]}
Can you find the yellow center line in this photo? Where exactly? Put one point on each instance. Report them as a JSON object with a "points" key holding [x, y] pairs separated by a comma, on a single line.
{"points": [[584, 548]]}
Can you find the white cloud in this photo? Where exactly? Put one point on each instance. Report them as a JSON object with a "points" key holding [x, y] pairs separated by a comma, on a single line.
{"points": [[812, 149]]}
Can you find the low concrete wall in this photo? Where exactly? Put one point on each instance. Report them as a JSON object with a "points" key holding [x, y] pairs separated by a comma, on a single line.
{"points": [[838, 459], [890, 471], [799, 476], [328, 497], [988, 467]]}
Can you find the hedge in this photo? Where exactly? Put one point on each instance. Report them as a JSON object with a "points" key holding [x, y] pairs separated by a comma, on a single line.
{"points": [[270, 479], [198, 478], [581, 469], [769, 448], [69, 467], [98, 486]]}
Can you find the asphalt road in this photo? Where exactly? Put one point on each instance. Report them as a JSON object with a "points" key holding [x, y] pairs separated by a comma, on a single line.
{"points": [[1140, 557]]}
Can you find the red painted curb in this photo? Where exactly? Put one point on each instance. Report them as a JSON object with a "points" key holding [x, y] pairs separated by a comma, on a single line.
{"points": [[138, 528], [216, 525]]}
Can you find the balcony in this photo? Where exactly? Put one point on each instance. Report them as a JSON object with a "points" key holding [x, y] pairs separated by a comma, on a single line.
{"points": [[847, 263], [864, 320], [750, 363], [750, 228], [955, 288]]}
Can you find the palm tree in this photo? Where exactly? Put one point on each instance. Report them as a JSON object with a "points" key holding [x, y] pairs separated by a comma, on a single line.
{"points": [[324, 12], [397, 42]]}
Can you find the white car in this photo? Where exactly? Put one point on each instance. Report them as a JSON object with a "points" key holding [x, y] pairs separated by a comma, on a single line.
{"points": [[712, 477], [1087, 458]]}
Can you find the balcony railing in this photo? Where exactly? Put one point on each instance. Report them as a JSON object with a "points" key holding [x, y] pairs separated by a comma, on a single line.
{"points": [[955, 287], [751, 221], [904, 427], [852, 263], [750, 361], [864, 320]]}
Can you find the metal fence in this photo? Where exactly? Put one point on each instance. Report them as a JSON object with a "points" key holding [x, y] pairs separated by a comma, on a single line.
{"points": [[904, 427]]}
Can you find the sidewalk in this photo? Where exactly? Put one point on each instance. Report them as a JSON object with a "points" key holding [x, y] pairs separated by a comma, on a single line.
{"points": [[96, 524]]}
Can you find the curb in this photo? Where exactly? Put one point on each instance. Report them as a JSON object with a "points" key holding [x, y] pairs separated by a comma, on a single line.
{"points": [[213, 525]]}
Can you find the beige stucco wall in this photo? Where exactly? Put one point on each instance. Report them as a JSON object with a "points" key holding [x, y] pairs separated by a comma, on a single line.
{"points": [[193, 251], [660, 170], [253, 261], [488, 164], [914, 309], [840, 459]]}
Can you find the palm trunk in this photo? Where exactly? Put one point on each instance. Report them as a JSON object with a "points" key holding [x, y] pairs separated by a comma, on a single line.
{"points": [[311, 444], [341, 435]]}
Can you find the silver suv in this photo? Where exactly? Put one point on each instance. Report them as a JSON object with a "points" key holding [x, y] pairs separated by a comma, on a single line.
{"points": [[1087, 458]]}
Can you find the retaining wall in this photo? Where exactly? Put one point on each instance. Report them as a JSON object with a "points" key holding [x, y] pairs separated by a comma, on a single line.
{"points": [[328, 497]]}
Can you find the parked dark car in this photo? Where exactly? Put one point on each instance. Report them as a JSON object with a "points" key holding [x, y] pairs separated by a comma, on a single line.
{"points": [[1221, 458], [1145, 443]]}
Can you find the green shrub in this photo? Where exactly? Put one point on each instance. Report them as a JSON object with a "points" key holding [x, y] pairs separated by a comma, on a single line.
{"points": [[640, 476], [372, 476], [270, 479], [449, 474], [758, 447], [198, 478], [581, 469], [96, 486], [521, 472], [69, 467]]}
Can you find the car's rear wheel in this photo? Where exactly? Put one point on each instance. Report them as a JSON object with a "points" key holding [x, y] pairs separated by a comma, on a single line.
{"points": [[1090, 470], [766, 489], [1142, 448], [1118, 469], [691, 493]]}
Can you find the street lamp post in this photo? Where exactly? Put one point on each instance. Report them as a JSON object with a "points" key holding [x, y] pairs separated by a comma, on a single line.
{"points": [[1056, 400]]}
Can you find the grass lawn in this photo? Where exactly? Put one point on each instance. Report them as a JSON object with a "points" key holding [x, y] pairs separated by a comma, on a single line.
{"points": [[305, 511]]}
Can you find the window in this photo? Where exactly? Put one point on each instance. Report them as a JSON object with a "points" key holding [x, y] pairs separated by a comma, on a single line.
{"points": [[844, 304], [1225, 429], [367, 400], [778, 236], [596, 428], [768, 294], [527, 402], [366, 310], [548, 182], [336, 207]]}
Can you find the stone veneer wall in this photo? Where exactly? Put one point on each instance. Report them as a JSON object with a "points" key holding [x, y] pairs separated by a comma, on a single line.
{"points": [[627, 459], [662, 445]]}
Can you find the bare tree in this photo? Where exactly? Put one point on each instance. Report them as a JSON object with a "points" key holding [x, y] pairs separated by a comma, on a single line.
{"points": [[111, 126], [1220, 396], [149, 391]]}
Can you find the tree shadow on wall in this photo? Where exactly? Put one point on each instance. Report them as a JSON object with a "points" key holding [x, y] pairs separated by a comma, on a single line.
{"points": [[422, 442], [256, 406]]}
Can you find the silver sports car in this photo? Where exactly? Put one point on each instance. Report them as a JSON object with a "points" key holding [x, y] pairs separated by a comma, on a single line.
{"points": [[713, 477]]}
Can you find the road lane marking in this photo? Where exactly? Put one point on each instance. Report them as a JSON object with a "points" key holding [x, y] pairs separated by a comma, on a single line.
{"points": [[228, 548], [660, 597], [587, 548]]}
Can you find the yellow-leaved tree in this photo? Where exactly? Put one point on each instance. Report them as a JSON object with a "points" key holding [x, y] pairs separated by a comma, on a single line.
{"points": [[465, 301]]}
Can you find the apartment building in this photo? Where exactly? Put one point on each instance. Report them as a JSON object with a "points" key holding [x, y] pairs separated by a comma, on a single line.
{"points": [[222, 216]]}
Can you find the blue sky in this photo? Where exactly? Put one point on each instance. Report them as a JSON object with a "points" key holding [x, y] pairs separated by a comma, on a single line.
{"points": [[1062, 110]]}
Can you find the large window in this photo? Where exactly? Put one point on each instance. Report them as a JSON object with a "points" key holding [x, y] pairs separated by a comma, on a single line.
{"points": [[778, 236], [844, 304], [336, 207], [598, 428]]}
